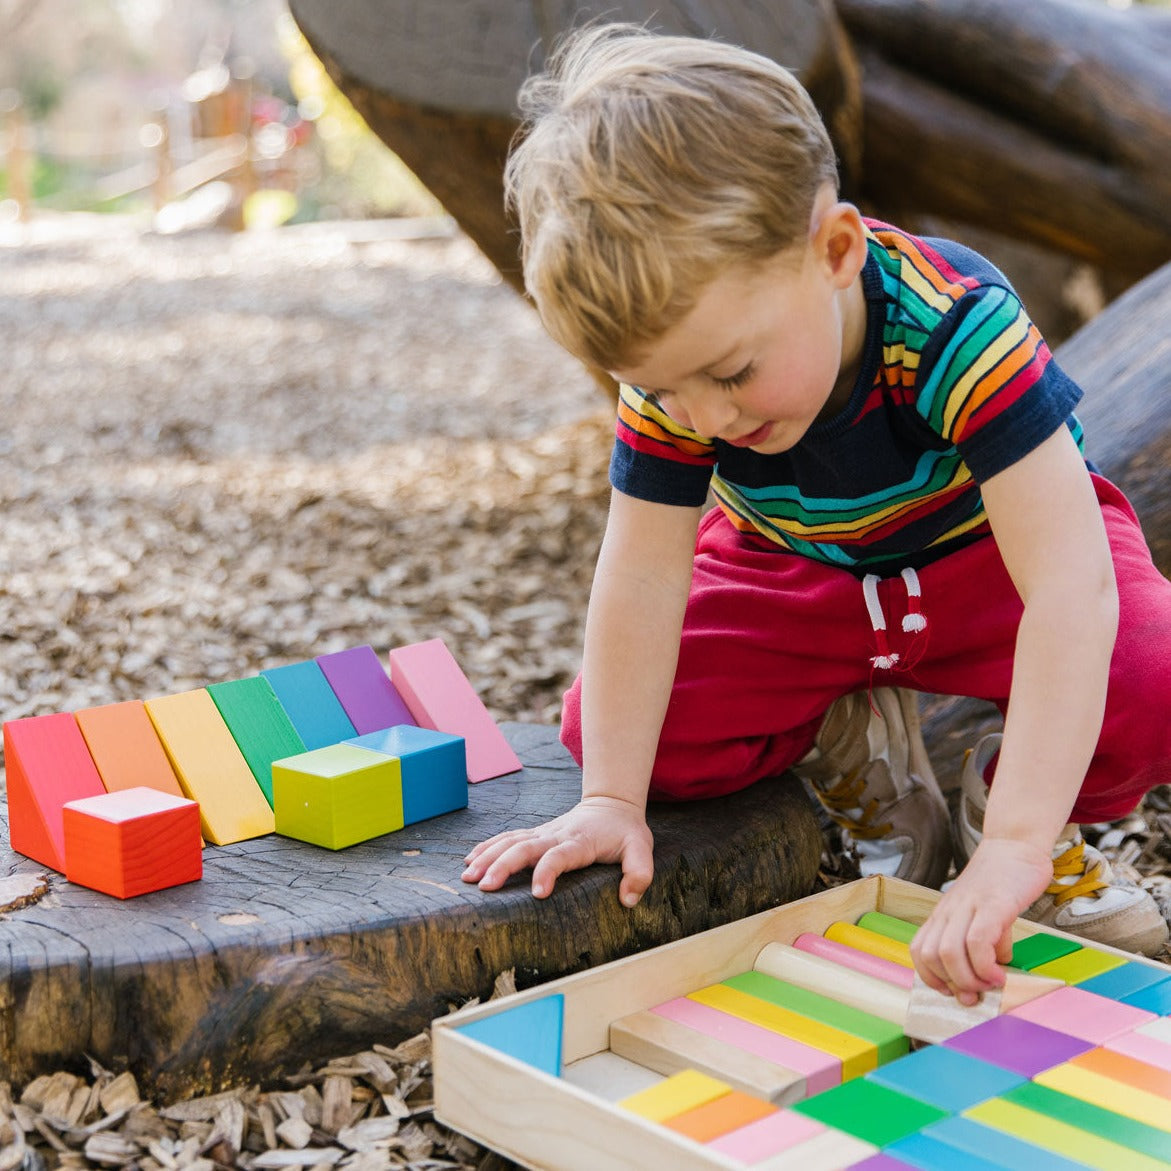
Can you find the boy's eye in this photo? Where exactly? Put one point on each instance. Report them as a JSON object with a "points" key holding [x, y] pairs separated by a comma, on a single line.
{"points": [[737, 379]]}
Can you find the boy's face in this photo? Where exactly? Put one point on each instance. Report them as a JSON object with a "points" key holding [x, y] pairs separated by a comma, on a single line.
{"points": [[767, 349]]}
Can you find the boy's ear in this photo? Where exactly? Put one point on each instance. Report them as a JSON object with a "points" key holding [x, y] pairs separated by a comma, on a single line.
{"points": [[839, 240]]}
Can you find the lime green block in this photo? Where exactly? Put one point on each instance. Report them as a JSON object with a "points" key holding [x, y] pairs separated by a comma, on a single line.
{"points": [[889, 926], [1079, 965], [1136, 1136], [259, 725], [1034, 950], [1060, 1137], [869, 1111], [337, 796], [888, 1038]]}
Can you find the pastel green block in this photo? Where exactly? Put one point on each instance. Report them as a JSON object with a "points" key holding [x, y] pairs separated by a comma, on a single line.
{"points": [[889, 926], [1079, 965], [262, 730], [337, 796]]}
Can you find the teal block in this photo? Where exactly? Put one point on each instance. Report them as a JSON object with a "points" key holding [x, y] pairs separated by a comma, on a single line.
{"points": [[1154, 998], [434, 768], [929, 1154], [1005, 1150], [529, 1032], [946, 1078], [1122, 982], [309, 702]]}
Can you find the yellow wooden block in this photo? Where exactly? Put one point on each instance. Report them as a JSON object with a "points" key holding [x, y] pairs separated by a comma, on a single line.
{"points": [[864, 939], [856, 1055], [682, 1091], [1141, 1105], [210, 767], [1079, 965], [1061, 1138]]}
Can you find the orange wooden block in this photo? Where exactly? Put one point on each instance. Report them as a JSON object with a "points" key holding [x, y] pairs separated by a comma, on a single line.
{"points": [[126, 748], [47, 763], [1127, 1070], [720, 1116], [132, 841]]}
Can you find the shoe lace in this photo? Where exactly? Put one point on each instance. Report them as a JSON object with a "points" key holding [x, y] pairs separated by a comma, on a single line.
{"points": [[843, 797], [1071, 862]]}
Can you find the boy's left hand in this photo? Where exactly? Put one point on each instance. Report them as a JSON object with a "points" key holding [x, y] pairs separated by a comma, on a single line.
{"points": [[969, 934]]}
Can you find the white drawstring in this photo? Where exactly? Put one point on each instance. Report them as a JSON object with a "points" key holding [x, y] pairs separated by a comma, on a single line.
{"points": [[914, 620]]}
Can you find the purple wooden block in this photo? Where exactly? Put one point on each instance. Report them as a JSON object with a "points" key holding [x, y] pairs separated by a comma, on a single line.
{"points": [[364, 690], [1014, 1043], [882, 1162]]}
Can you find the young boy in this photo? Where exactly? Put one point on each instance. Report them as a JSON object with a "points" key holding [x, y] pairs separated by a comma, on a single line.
{"points": [[903, 504]]}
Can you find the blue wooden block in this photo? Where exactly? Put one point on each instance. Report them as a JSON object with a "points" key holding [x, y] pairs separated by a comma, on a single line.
{"points": [[1119, 983], [1005, 1150], [530, 1032], [310, 704], [1154, 998], [434, 768], [946, 1078], [929, 1154]]}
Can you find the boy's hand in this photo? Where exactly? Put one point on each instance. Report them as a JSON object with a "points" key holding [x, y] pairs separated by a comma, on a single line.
{"points": [[598, 829], [969, 933]]}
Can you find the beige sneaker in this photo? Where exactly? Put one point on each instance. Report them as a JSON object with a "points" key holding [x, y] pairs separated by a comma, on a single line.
{"points": [[870, 771], [1086, 897]]}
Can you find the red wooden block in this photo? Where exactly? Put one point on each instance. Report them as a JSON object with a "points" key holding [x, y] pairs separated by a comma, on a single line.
{"points": [[132, 841], [47, 763], [441, 698]]}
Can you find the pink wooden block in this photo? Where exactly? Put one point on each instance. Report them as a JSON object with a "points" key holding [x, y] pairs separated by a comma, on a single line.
{"points": [[856, 958], [820, 1070], [440, 697], [1143, 1048], [767, 1136], [1083, 1014]]}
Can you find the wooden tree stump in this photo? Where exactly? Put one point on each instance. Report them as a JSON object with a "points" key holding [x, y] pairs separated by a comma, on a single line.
{"points": [[285, 953]]}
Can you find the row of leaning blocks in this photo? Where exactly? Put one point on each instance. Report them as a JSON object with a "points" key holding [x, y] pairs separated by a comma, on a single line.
{"points": [[332, 751]]}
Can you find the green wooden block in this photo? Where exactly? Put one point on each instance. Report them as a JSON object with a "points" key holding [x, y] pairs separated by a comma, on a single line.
{"points": [[259, 725], [889, 926], [888, 1038], [869, 1111], [1034, 950], [1079, 965], [337, 796], [1127, 1132]]}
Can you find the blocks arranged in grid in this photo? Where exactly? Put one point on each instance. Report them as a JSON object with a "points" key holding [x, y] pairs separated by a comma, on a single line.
{"points": [[434, 768], [132, 841], [337, 796]]}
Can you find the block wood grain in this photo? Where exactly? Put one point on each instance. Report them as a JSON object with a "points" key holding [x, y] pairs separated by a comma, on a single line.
{"points": [[310, 703], [132, 841], [210, 767], [434, 768], [126, 748], [47, 763], [259, 725], [440, 697], [364, 689]]}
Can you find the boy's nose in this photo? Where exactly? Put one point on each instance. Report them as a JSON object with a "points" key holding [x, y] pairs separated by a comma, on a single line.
{"points": [[712, 415]]}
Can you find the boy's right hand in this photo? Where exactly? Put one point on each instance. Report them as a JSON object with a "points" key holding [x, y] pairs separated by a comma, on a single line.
{"points": [[598, 829]]}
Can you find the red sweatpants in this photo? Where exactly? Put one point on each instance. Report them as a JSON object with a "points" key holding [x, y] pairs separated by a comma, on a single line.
{"points": [[770, 640]]}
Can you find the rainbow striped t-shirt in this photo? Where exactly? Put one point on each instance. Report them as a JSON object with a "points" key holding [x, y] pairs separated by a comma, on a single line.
{"points": [[956, 385]]}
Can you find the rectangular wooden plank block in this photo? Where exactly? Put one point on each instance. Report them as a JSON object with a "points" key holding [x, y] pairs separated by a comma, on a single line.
{"points": [[132, 841], [433, 764], [337, 796], [720, 1116], [883, 1162], [1034, 950], [1140, 1044], [1017, 1044], [866, 940], [440, 697], [856, 959], [210, 767], [1082, 1014], [1009, 1151], [888, 925], [922, 1151], [1131, 1071], [1154, 998], [126, 748], [1079, 966], [769, 1136], [259, 725], [47, 763], [1124, 980], [667, 1047], [681, 1091], [831, 1150], [946, 1078], [529, 1032], [870, 1111], [310, 703], [363, 688], [1104, 1091], [608, 1076]]}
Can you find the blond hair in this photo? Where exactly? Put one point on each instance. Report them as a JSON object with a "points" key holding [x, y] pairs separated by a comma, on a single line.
{"points": [[644, 166]]}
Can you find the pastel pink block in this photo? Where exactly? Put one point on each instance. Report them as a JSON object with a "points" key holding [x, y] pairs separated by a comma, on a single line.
{"points": [[767, 1136], [439, 696], [856, 958], [1083, 1014], [820, 1070], [1143, 1048]]}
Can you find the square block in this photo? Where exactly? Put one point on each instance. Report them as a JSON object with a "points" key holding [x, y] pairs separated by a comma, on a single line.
{"points": [[1082, 1014], [870, 1112], [310, 703], [337, 796], [946, 1078], [126, 748], [434, 768], [1017, 1044], [364, 689], [132, 841]]}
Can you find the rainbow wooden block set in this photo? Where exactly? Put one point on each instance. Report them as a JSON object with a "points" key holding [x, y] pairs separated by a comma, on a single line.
{"points": [[780, 1043], [332, 751]]}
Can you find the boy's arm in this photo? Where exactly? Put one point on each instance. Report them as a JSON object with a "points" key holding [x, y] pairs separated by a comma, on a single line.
{"points": [[632, 635], [1048, 526]]}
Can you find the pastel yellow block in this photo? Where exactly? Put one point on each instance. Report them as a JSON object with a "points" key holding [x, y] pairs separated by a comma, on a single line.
{"points": [[856, 1055], [863, 939], [1061, 1138], [682, 1091], [1140, 1105], [1079, 965], [210, 767]]}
